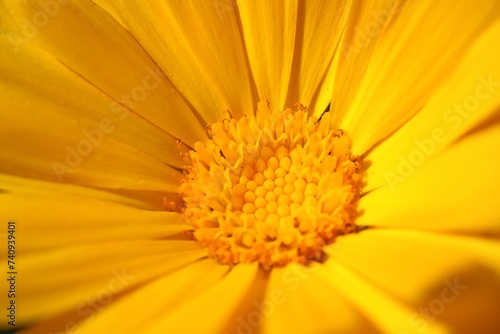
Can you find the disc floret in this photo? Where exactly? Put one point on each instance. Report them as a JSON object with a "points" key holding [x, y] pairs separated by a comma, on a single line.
{"points": [[273, 187]]}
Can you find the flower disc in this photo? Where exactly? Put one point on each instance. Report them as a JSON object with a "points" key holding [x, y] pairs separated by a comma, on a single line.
{"points": [[274, 188]]}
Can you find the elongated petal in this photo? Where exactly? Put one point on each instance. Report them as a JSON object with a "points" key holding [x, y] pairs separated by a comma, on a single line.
{"points": [[469, 98], [92, 44], [416, 260], [410, 61], [198, 45], [268, 29], [218, 304], [59, 215], [454, 191], [320, 25], [367, 22], [373, 302], [290, 289], [164, 296], [443, 279], [72, 133], [84, 274]]}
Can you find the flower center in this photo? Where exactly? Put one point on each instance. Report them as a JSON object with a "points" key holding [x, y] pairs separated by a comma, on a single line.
{"points": [[274, 188]]}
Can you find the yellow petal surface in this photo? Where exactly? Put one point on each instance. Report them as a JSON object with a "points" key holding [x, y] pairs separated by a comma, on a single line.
{"points": [[250, 306], [92, 44], [367, 20], [62, 129], [320, 25], [411, 60], [413, 259], [448, 279], [299, 301], [158, 299], [77, 277], [387, 313], [57, 215], [454, 191], [210, 310], [198, 45], [323, 95], [268, 28], [471, 96]]}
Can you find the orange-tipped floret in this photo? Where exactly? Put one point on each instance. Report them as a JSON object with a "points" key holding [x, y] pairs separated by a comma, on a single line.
{"points": [[274, 188]]}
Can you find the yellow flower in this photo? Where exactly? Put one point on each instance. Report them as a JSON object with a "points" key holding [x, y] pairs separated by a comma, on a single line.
{"points": [[343, 180]]}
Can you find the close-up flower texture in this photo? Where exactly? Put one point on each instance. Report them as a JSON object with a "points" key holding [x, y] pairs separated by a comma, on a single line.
{"points": [[250, 166]]}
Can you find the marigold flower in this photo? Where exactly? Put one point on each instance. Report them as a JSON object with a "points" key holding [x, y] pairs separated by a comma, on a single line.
{"points": [[250, 166]]}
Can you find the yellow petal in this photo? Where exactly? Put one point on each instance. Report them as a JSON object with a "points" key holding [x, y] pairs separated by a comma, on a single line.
{"points": [[471, 96], [65, 130], [449, 279], [157, 298], [268, 29], [79, 276], [210, 310], [56, 215], [250, 305], [323, 95], [92, 44], [467, 304], [387, 313], [415, 260], [367, 20], [454, 191], [299, 301], [62, 323], [198, 45], [320, 25], [410, 61]]}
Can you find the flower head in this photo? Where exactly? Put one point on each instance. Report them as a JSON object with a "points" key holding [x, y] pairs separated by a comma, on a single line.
{"points": [[250, 166], [273, 188]]}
